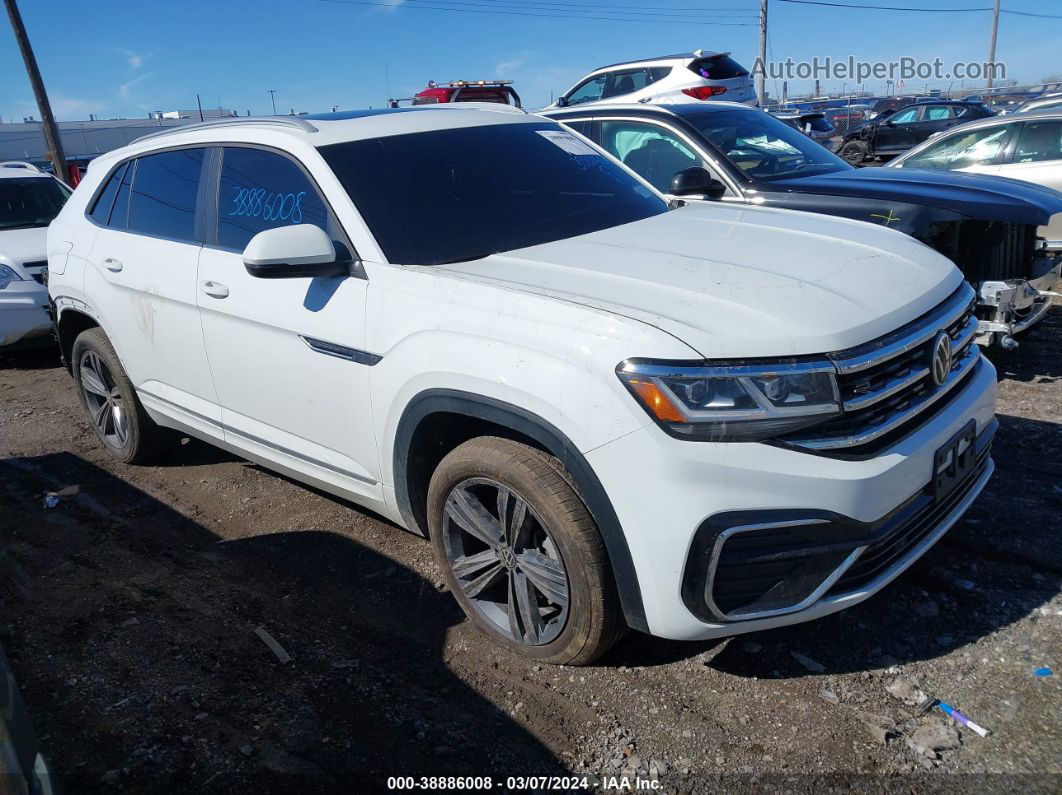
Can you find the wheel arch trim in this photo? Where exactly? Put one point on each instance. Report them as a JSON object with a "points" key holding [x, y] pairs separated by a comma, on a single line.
{"points": [[436, 401]]}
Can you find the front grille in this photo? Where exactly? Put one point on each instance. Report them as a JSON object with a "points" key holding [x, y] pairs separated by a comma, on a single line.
{"points": [[924, 517], [986, 251], [885, 386]]}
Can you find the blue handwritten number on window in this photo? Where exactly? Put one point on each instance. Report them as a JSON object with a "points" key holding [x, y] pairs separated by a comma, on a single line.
{"points": [[260, 203]]}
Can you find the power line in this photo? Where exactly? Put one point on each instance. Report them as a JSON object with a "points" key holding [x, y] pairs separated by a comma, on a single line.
{"points": [[884, 8], [529, 14], [532, 7], [1030, 14], [612, 7], [923, 10]]}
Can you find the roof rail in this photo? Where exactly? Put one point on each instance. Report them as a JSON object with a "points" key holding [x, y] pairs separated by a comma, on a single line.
{"points": [[234, 121]]}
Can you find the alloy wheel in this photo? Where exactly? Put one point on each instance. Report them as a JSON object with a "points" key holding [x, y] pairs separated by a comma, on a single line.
{"points": [[107, 409], [505, 561]]}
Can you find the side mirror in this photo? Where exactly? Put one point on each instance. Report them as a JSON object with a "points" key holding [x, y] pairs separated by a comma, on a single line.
{"points": [[562, 102], [890, 123], [288, 252], [696, 181]]}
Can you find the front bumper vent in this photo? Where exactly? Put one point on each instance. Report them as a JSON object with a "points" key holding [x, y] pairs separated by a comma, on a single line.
{"points": [[756, 564]]}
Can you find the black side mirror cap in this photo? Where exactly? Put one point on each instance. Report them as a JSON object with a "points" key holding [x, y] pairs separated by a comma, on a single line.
{"points": [[696, 181]]}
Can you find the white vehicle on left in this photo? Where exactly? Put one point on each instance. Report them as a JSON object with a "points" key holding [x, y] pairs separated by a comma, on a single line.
{"points": [[29, 200]]}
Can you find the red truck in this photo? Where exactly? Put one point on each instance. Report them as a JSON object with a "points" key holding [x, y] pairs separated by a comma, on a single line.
{"points": [[500, 91]]}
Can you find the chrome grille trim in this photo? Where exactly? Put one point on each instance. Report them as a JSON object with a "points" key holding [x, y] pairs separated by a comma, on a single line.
{"points": [[918, 405], [911, 336], [959, 345], [885, 384]]}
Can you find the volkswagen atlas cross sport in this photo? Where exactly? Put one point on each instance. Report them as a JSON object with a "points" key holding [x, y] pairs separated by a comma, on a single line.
{"points": [[603, 412]]}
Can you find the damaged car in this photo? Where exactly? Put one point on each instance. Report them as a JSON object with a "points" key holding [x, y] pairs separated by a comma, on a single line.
{"points": [[989, 226], [604, 410]]}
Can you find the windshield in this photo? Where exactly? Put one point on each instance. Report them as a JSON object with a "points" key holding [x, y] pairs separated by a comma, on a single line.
{"points": [[465, 193], [763, 147], [30, 202]]}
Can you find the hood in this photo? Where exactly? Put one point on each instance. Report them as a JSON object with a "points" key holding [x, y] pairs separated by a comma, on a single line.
{"points": [[982, 197], [23, 245], [737, 281]]}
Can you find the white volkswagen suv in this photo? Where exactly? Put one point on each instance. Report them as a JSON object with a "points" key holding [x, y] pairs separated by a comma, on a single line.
{"points": [[605, 412]]}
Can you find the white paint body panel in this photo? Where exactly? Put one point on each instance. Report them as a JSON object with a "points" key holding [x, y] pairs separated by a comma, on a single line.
{"points": [[542, 329], [23, 304]]}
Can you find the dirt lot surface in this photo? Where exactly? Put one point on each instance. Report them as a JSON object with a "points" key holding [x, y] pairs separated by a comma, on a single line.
{"points": [[129, 613]]}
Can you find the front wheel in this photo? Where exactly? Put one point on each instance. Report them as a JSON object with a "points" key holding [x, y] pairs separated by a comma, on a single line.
{"points": [[855, 152], [521, 553]]}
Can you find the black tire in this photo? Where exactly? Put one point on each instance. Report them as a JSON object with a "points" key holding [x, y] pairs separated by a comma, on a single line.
{"points": [[93, 354], [593, 620], [855, 152]]}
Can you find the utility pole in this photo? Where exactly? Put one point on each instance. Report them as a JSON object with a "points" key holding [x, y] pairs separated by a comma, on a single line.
{"points": [[761, 89], [992, 47], [52, 138], [273, 99]]}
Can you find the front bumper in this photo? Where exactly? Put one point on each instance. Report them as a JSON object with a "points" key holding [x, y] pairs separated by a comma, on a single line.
{"points": [[1013, 306], [664, 489], [23, 312]]}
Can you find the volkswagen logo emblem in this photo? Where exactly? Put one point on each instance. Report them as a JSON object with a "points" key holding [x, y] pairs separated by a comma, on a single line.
{"points": [[940, 358]]}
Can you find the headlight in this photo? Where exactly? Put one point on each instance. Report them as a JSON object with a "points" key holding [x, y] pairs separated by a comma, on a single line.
{"points": [[7, 275], [743, 402]]}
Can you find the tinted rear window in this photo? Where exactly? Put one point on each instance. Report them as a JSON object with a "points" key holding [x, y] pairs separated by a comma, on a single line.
{"points": [[164, 194], [721, 68], [466, 193]]}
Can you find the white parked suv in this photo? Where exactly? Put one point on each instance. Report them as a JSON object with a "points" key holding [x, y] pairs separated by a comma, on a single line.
{"points": [[686, 77], [604, 412], [29, 200]]}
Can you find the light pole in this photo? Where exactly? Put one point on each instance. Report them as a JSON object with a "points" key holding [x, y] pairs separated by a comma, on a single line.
{"points": [[761, 89], [52, 139], [273, 99], [992, 48]]}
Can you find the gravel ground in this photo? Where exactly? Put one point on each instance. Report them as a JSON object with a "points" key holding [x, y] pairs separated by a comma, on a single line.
{"points": [[130, 609]]}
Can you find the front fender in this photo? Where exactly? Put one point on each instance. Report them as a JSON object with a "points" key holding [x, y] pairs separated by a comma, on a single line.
{"points": [[528, 424]]}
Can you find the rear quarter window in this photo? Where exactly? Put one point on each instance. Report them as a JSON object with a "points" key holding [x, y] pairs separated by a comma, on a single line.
{"points": [[101, 211]]}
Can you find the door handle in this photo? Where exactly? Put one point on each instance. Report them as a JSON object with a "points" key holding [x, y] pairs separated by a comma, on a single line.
{"points": [[112, 264], [215, 289]]}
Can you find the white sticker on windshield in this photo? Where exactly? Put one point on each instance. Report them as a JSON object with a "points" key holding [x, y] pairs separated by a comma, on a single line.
{"points": [[566, 141]]}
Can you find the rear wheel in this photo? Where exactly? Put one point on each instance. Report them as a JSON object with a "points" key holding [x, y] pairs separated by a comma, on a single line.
{"points": [[521, 553], [116, 414], [855, 152]]}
